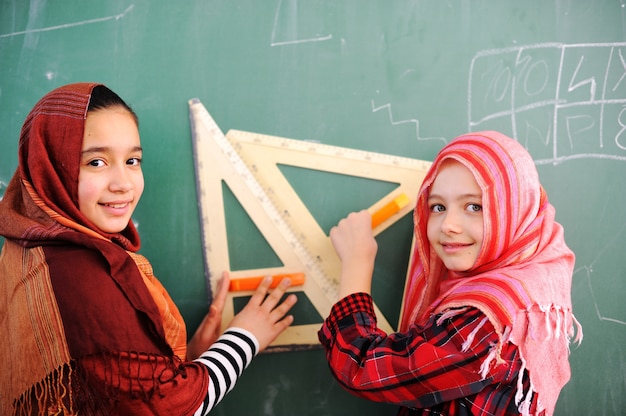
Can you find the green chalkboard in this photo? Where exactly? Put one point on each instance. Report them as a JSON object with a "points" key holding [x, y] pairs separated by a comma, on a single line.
{"points": [[391, 76]]}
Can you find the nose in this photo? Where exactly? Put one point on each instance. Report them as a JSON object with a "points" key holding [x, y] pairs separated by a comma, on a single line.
{"points": [[120, 180], [451, 223]]}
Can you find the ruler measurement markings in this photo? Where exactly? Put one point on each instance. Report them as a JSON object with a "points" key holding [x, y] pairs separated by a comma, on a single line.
{"points": [[307, 258], [313, 259]]}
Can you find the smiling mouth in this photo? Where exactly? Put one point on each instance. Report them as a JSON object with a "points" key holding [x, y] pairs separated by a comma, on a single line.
{"points": [[117, 205], [452, 248], [455, 245]]}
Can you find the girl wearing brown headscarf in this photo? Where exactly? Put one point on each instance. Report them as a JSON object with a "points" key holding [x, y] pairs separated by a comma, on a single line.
{"points": [[88, 328]]}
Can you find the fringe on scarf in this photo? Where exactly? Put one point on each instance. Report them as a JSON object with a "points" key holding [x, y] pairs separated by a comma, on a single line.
{"points": [[559, 323], [146, 373], [50, 396], [95, 384]]}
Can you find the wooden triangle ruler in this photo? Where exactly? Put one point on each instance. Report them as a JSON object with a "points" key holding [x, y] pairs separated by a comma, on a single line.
{"points": [[249, 164]]}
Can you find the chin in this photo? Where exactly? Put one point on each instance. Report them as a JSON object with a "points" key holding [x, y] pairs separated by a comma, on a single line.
{"points": [[113, 230], [457, 268]]}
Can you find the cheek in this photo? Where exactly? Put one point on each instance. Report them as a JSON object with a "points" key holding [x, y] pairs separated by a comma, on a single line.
{"points": [[432, 230], [478, 236], [139, 186], [478, 231], [87, 192]]}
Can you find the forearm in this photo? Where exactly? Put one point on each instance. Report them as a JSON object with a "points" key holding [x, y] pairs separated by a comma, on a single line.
{"points": [[226, 359], [163, 385], [407, 369], [356, 247]]}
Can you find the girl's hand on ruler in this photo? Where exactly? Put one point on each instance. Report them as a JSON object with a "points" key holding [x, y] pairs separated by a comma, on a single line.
{"points": [[356, 247], [209, 329], [264, 316]]}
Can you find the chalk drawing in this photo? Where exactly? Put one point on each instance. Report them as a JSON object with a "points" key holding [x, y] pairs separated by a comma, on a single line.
{"points": [[561, 101], [65, 26], [413, 121], [3, 188], [588, 272], [286, 24], [272, 392]]}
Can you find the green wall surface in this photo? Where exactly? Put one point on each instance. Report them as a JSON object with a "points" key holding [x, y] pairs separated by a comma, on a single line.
{"points": [[401, 77]]}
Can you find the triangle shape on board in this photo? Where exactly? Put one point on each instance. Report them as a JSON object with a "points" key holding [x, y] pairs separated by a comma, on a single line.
{"points": [[217, 164], [247, 247], [329, 204], [249, 165]]}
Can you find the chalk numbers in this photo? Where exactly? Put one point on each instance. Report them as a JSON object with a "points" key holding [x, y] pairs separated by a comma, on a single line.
{"points": [[560, 101]]}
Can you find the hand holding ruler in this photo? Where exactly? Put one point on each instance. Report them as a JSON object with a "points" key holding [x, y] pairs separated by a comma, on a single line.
{"points": [[248, 164]]}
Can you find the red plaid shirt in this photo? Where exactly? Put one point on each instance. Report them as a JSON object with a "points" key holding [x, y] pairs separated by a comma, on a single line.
{"points": [[425, 370]]}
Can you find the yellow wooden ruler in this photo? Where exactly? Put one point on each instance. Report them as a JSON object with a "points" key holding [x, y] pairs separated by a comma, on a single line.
{"points": [[249, 165]]}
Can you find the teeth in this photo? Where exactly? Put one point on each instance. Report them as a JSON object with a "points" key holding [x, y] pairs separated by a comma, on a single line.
{"points": [[115, 205]]}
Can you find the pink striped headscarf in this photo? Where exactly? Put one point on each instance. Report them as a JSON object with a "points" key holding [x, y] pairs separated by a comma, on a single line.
{"points": [[522, 277]]}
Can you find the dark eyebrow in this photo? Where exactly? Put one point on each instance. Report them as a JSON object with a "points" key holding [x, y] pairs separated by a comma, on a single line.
{"points": [[101, 149]]}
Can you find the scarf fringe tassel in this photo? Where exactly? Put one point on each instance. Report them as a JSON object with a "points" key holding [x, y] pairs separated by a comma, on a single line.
{"points": [[559, 322], [52, 395]]}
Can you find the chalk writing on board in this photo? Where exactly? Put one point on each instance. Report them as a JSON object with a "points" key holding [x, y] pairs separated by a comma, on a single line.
{"points": [[3, 188], [560, 101], [588, 271], [598, 283], [292, 23], [66, 25], [413, 121]]}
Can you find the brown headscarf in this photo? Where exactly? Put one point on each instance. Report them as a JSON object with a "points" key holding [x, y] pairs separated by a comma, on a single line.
{"points": [[49, 161]]}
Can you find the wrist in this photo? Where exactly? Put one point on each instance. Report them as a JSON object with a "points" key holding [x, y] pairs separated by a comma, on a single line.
{"points": [[245, 334], [355, 280]]}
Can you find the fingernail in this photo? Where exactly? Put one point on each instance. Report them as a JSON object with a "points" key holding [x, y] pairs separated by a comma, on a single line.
{"points": [[285, 282]]}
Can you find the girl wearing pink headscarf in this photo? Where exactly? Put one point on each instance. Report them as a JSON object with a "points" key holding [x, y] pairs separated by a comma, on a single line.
{"points": [[487, 316]]}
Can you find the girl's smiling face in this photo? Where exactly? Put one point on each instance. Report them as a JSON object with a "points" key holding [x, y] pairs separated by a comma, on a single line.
{"points": [[110, 180], [455, 221]]}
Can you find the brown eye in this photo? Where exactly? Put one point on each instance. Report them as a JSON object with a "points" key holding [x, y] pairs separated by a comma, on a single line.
{"points": [[134, 161], [96, 163]]}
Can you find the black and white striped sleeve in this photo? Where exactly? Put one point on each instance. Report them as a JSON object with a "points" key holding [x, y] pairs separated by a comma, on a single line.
{"points": [[226, 359]]}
